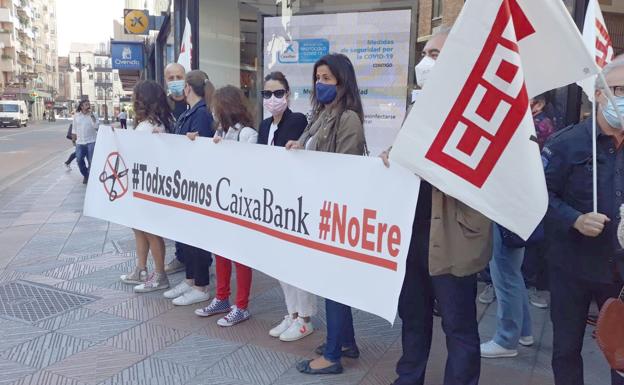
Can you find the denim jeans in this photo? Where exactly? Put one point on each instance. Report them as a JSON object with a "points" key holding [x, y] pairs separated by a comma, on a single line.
{"points": [[513, 319], [340, 333], [84, 151]]}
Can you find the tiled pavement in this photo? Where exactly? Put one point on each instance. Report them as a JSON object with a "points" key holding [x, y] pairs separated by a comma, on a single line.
{"points": [[117, 337]]}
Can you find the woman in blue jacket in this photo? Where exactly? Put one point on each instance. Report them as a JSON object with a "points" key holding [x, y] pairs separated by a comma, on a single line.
{"points": [[196, 121]]}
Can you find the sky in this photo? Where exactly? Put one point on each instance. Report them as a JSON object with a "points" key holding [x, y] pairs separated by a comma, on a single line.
{"points": [[86, 21]]}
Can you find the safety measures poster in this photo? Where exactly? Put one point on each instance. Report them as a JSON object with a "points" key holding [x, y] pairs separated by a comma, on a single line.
{"points": [[376, 42]]}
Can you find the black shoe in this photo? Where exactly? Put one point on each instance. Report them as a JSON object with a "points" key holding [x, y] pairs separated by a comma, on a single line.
{"points": [[85, 180], [352, 352], [304, 367]]}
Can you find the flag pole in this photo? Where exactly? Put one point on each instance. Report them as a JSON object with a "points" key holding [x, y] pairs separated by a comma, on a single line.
{"points": [[594, 152]]}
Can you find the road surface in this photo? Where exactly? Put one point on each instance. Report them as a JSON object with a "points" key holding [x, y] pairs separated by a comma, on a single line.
{"points": [[24, 150]]}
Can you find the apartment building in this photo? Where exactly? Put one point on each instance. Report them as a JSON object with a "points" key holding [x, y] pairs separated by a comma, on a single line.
{"points": [[91, 76], [28, 52]]}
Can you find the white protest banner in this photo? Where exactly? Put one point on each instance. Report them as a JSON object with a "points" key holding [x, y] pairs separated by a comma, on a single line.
{"points": [[378, 44], [471, 133], [336, 225]]}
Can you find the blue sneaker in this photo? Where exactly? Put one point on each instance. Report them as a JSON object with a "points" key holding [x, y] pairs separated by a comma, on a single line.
{"points": [[216, 307], [234, 317]]}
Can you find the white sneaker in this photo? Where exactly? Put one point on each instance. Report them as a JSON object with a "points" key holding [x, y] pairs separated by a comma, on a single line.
{"points": [[488, 295], [491, 349], [297, 330], [178, 290], [526, 341], [282, 327], [191, 297]]}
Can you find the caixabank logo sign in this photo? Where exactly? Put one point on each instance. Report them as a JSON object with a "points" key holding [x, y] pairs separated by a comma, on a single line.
{"points": [[114, 176]]}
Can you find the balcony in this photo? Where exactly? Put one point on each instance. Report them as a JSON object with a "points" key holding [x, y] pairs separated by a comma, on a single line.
{"points": [[103, 84], [101, 68], [7, 40], [7, 63], [5, 15]]}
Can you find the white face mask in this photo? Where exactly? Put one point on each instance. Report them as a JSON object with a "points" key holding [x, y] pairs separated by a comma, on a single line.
{"points": [[423, 68]]}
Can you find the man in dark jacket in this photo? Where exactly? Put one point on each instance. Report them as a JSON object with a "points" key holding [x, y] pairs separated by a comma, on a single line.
{"points": [[584, 255]]}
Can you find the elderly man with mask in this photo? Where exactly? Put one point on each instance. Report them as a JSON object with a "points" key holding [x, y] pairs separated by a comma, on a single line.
{"points": [[174, 76], [450, 244], [585, 257]]}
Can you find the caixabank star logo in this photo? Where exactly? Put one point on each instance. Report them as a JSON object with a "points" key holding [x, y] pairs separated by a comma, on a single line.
{"points": [[114, 177]]}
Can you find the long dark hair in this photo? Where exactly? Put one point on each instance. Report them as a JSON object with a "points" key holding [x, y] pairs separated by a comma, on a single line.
{"points": [[348, 97], [150, 104], [230, 106], [201, 85]]}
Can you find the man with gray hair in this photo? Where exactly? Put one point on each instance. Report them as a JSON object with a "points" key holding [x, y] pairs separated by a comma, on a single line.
{"points": [[586, 260]]}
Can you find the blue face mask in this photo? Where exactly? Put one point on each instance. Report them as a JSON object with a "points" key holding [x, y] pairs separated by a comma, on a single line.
{"points": [[610, 115], [176, 87], [326, 93]]}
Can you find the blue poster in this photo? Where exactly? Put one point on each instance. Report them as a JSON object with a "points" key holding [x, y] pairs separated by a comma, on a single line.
{"points": [[127, 55]]}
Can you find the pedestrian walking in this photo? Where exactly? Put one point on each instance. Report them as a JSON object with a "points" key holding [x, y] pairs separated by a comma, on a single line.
{"points": [[152, 116], [231, 110], [336, 126], [195, 261], [584, 254], [123, 119], [84, 132], [284, 125]]}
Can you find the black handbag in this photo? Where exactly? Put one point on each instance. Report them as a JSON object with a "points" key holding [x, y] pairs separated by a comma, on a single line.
{"points": [[69, 132]]}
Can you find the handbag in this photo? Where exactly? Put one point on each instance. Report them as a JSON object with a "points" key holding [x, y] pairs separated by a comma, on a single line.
{"points": [[610, 331], [513, 240], [69, 132]]}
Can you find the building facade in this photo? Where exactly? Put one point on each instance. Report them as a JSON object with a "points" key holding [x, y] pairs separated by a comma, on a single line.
{"points": [[29, 58], [92, 77]]}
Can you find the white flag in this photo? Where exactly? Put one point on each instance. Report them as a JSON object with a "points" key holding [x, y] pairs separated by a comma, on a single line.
{"points": [[186, 48], [597, 40], [471, 133]]}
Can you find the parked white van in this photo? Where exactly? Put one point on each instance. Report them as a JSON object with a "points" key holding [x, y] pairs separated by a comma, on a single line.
{"points": [[13, 113]]}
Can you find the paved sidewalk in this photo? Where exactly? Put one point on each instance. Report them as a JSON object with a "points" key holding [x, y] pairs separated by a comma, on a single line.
{"points": [[66, 319]]}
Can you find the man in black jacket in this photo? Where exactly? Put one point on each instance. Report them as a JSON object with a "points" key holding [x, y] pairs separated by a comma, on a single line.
{"points": [[585, 257]]}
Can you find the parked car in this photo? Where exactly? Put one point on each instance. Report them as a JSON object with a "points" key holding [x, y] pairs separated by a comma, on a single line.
{"points": [[13, 113]]}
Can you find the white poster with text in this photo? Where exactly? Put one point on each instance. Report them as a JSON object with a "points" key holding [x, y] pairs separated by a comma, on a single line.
{"points": [[378, 44], [336, 225]]}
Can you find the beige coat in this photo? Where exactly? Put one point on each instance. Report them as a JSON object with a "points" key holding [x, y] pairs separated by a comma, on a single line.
{"points": [[327, 135], [460, 242]]}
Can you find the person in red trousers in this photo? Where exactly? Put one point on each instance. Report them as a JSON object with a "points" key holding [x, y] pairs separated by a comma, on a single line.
{"points": [[231, 110]]}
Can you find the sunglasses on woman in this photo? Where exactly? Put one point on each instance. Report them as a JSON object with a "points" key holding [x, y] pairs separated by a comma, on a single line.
{"points": [[278, 94]]}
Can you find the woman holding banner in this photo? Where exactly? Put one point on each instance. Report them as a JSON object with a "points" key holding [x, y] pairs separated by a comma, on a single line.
{"points": [[277, 130], [337, 126], [232, 112], [153, 115], [195, 121]]}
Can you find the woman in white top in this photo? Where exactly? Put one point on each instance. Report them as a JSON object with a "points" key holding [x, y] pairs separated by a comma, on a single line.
{"points": [[153, 115], [230, 109]]}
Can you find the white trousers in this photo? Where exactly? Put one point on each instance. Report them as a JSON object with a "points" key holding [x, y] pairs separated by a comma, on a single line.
{"points": [[299, 301]]}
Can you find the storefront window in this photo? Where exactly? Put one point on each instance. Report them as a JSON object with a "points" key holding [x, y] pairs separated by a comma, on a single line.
{"points": [[242, 41]]}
